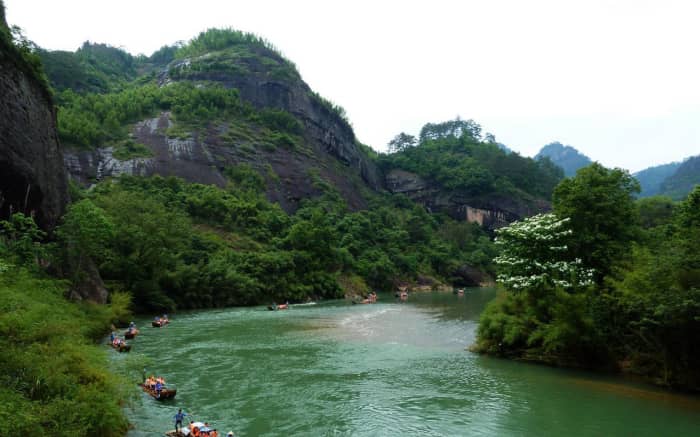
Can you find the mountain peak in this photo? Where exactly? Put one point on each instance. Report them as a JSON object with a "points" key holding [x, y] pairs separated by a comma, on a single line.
{"points": [[566, 157]]}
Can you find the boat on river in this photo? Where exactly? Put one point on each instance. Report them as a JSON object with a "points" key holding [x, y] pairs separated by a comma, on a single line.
{"points": [[363, 301], [164, 394], [198, 429], [275, 307], [121, 346], [159, 322]]}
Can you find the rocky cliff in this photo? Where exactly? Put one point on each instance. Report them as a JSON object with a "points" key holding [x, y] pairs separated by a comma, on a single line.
{"points": [[32, 175], [264, 80], [33, 179], [490, 211]]}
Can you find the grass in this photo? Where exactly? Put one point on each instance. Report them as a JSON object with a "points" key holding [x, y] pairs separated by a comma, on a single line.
{"points": [[129, 149]]}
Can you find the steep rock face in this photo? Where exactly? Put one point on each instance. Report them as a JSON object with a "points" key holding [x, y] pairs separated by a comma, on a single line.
{"points": [[32, 176], [491, 212], [203, 156], [264, 80], [264, 86]]}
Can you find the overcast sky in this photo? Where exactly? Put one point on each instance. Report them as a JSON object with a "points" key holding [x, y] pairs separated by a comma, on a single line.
{"points": [[618, 80]]}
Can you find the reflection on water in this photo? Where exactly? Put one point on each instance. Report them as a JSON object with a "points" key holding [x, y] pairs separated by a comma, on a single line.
{"points": [[389, 368]]}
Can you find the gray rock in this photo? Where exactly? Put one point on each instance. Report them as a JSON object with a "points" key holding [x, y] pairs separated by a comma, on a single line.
{"points": [[32, 176]]}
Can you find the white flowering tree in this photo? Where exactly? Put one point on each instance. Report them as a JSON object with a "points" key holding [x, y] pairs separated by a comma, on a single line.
{"points": [[534, 256]]}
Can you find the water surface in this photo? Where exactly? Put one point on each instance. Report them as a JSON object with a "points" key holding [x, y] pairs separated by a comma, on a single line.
{"points": [[386, 369]]}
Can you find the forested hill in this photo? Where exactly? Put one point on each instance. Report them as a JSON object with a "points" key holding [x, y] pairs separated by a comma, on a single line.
{"points": [[194, 111], [566, 157], [228, 98], [274, 197], [451, 168], [683, 180], [650, 179], [674, 180]]}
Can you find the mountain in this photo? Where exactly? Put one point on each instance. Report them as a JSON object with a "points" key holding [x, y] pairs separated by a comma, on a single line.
{"points": [[224, 99], [452, 170], [651, 178], [566, 157], [226, 180], [227, 99], [683, 180]]}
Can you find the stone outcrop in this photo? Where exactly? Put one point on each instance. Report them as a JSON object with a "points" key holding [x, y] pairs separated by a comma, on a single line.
{"points": [[202, 157], [491, 211], [261, 87], [32, 176]]}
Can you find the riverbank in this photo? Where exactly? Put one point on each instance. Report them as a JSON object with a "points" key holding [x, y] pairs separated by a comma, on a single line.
{"points": [[54, 374]]}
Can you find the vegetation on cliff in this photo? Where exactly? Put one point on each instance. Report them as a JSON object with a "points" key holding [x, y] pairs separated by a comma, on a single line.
{"points": [[637, 313], [455, 157], [22, 53]]}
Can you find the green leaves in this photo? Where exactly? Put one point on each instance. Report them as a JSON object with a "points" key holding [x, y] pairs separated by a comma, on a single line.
{"points": [[600, 204]]}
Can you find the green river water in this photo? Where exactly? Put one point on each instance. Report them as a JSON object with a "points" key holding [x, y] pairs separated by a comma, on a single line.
{"points": [[387, 369]]}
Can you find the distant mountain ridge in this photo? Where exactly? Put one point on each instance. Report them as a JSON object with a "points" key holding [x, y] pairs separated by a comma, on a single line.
{"points": [[651, 178], [566, 157], [683, 180]]}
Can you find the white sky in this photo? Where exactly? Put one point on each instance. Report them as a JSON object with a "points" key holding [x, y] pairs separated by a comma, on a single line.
{"points": [[618, 80]]}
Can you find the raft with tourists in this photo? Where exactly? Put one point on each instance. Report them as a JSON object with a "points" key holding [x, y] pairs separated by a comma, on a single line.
{"points": [[131, 331], [275, 307], [157, 389], [159, 322], [371, 298], [120, 345], [196, 429]]}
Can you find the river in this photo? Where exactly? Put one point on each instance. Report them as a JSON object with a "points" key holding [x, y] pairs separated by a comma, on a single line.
{"points": [[387, 369]]}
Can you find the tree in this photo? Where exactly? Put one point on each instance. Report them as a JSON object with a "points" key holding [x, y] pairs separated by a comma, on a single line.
{"points": [[85, 233], [688, 241], [21, 236], [453, 128], [535, 256], [600, 203], [401, 142]]}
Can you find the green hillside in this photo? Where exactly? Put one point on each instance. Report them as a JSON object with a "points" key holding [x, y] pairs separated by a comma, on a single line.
{"points": [[650, 179], [683, 180]]}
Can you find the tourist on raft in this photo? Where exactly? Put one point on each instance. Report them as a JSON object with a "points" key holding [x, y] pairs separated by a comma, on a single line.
{"points": [[178, 419]]}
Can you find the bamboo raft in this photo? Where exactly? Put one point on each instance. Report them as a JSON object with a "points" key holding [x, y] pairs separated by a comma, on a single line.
{"points": [[165, 393], [123, 347]]}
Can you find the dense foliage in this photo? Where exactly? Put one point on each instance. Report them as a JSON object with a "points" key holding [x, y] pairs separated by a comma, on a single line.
{"points": [[178, 245], [93, 120], [52, 376], [642, 314], [599, 202], [683, 180], [453, 155], [92, 68]]}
